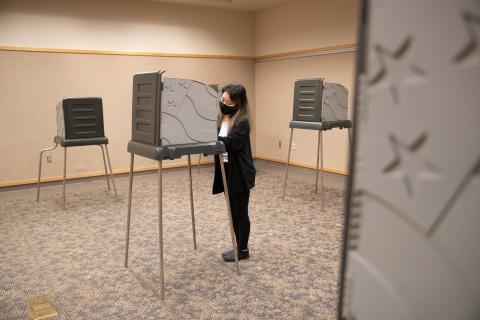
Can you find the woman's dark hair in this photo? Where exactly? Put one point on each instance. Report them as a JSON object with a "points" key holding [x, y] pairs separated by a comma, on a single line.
{"points": [[238, 95]]}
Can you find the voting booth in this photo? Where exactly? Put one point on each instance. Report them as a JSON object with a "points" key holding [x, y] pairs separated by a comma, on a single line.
{"points": [[318, 105], [172, 118], [79, 123]]}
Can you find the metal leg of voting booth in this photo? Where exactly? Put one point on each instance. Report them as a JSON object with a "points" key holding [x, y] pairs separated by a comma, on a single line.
{"points": [[288, 161], [105, 166], [319, 155], [40, 168], [160, 216], [129, 210], [227, 199], [64, 174], [111, 172], [191, 203]]}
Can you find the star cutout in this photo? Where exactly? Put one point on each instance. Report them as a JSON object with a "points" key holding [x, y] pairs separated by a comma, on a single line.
{"points": [[409, 163], [395, 69], [472, 48], [169, 89], [183, 84]]}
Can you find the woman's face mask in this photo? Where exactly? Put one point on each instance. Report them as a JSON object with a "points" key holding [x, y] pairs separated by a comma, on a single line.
{"points": [[227, 109]]}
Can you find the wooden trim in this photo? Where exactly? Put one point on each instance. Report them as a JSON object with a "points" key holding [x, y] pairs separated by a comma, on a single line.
{"points": [[125, 53], [303, 165], [97, 174], [330, 49], [350, 46]]}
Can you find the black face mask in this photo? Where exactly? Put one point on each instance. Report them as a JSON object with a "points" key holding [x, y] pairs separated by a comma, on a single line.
{"points": [[226, 110]]}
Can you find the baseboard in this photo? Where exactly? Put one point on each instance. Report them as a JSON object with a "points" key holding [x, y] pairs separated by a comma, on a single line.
{"points": [[300, 164], [98, 174], [154, 168]]}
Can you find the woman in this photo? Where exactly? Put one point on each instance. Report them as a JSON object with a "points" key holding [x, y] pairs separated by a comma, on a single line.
{"points": [[234, 131]]}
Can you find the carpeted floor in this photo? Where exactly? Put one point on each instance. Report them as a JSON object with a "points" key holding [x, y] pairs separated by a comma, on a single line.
{"points": [[76, 256]]}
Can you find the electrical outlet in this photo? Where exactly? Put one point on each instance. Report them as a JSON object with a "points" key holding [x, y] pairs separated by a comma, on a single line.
{"points": [[293, 145], [279, 143], [49, 158]]}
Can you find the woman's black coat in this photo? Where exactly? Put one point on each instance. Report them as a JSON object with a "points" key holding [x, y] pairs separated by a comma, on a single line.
{"points": [[241, 171]]}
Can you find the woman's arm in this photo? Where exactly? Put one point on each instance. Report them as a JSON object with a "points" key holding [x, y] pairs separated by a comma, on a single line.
{"points": [[237, 137]]}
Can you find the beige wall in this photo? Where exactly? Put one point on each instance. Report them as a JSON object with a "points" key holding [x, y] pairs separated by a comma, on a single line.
{"points": [[274, 81], [133, 25], [31, 83], [296, 26], [305, 24]]}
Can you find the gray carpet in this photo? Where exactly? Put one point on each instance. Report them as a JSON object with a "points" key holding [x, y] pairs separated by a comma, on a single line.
{"points": [[76, 256]]}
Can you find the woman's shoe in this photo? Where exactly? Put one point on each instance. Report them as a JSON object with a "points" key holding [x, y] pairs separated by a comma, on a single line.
{"points": [[226, 253], [242, 255]]}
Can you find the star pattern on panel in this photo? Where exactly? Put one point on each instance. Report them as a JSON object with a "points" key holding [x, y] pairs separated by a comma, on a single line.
{"points": [[183, 84], [169, 88], [169, 94], [472, 48], [395, 69], [408, 163]]}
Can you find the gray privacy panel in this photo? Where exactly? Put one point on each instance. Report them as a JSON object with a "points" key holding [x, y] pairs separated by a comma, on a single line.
{"points": [[316, 100], [60, 120], [79, 118], [172, 111], [334, 102], [188, 112], [413, 208]]}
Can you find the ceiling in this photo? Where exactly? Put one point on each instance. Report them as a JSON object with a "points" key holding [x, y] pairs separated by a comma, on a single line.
{"points": [[247, 5]]}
